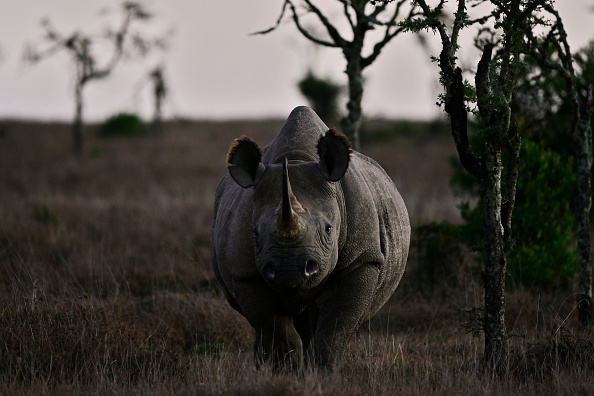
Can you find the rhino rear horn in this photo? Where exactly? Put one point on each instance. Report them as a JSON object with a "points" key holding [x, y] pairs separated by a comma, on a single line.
{"points": [[244, 162], [334, 150]]}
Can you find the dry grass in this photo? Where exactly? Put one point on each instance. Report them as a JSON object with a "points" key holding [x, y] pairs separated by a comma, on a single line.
{"points": [[106, 287]]}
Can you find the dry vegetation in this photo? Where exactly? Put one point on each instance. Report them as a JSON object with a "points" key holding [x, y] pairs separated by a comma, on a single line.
{"points": [[106, 287]]}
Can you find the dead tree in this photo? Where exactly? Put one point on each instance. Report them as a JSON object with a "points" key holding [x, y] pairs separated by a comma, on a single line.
{"points": [[160, 92], [554, 41], [79, 47], [361, 18]]}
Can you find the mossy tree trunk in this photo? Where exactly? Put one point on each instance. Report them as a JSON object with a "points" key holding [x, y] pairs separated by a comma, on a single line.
{"points": [[351, 123], [497, 201]]}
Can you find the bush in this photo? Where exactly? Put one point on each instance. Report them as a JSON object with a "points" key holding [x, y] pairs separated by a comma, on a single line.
{"points": [[542, 222], [440, 259], [322, 95], [122, 125]]}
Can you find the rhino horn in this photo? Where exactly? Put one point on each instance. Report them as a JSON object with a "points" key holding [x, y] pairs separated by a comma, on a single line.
{"points": [[288, 219]]}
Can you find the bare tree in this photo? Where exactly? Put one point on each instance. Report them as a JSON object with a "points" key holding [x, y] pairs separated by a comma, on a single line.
{"points": [[157, 76], [361, 18], [79, 46]]}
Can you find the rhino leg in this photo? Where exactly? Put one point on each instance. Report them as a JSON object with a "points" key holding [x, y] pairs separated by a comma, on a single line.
{"points": [[341, 313], [305, 324], [277, 341]]}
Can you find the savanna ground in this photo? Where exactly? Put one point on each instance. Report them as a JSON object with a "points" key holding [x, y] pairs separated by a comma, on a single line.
{"points": [[106, 285]]}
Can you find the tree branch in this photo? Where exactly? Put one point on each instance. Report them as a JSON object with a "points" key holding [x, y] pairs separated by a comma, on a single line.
{"points": [[345, 5], [459, 20], [389, 33], [332, 31], [453, 84], [483, 83], [434, 22], [277, 24], [456, 108]]}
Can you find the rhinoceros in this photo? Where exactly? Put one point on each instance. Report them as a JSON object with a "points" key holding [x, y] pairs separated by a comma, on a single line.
{"points": [[309, 240]]}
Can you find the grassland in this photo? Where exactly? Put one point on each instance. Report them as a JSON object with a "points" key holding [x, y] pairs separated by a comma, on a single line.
{"points": [[106, 286]]}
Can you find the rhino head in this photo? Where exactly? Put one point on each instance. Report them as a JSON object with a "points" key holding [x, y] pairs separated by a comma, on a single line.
{"points": [[296, 218]]}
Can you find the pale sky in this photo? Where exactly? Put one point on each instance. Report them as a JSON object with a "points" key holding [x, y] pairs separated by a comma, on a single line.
{"points": [[214, 68]]}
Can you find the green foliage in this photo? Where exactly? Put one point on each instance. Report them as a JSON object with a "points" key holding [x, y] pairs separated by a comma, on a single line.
{"points": [[542, 223], [544, 218], [122, 125], [469, 94], [322, 95]]}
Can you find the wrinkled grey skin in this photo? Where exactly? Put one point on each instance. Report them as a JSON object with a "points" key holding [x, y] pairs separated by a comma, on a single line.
{"points": [[306, 283]]}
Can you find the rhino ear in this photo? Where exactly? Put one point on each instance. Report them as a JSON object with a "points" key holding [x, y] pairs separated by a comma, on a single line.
{"points": [[244, 162], [334, 150]]}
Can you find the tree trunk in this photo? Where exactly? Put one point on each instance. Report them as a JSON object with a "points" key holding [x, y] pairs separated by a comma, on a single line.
{"points": [[77, 126], [351, 123], [157, 119], [489, 171], [494, 256], [159, 90], [583, 144]]}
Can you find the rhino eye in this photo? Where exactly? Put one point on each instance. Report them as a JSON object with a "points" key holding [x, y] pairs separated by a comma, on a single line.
{"points": [[328, 229]]}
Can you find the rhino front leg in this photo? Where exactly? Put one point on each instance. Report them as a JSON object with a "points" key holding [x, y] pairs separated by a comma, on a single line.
{"points": [[277, 342], [341, 313]]}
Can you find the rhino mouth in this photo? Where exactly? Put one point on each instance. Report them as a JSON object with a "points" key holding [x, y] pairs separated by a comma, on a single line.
{"points": [[303, 273]]}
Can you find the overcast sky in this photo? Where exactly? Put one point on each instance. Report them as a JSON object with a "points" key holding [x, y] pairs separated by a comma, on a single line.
{"points": [[214, 68]]}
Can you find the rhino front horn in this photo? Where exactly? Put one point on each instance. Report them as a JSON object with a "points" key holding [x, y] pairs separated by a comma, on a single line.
{"points": [[288, 218]]}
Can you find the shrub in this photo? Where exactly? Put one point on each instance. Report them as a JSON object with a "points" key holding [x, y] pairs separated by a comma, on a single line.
{"points": [[122, 125], [440, 258], [542, 223], [322, 95]]}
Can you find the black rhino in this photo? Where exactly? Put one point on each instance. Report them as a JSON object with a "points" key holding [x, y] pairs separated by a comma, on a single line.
{"points": [[309, 240]]}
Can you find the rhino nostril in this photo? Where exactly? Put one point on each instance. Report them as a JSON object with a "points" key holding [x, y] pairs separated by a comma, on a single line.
{"points": [[269, 272], [311, 267]]}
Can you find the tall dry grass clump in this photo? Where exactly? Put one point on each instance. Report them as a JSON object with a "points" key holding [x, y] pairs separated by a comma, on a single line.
{"points": [[106, 286]]}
